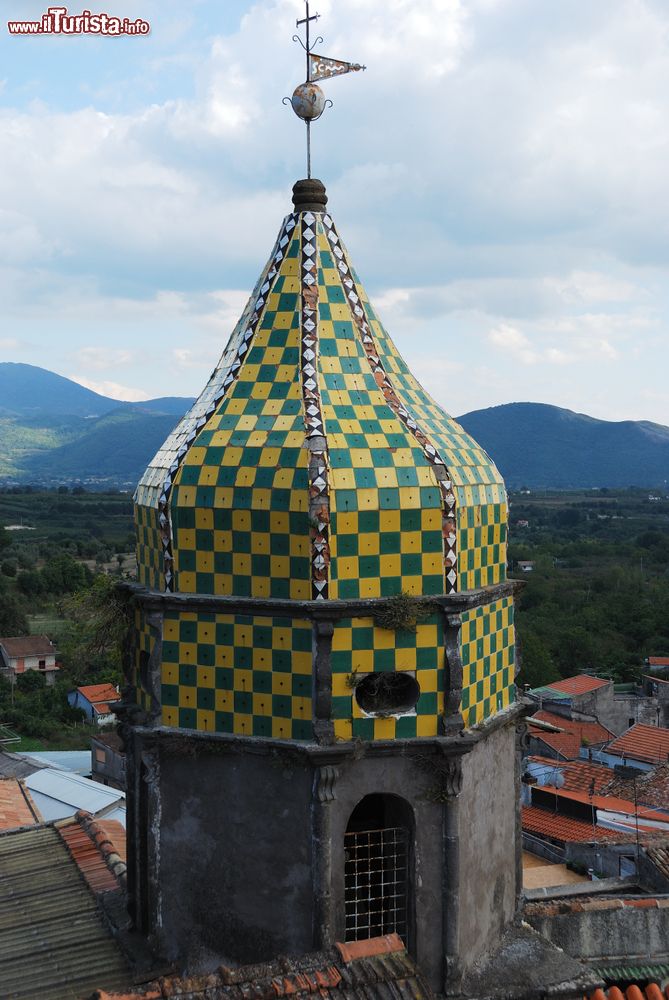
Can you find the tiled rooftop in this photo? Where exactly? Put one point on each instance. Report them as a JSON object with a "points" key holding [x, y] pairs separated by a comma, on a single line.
{"points": [[16, 806], [652, 788], [100, 695], [564, 828], [659, 855], [577, 775], [646, 743], [573, 733], [580, 684], [652, 992], [27, 645], [98, 848], [53, 943], [375, 969]]}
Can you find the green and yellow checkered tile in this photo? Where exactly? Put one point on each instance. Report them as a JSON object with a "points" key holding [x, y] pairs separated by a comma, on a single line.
{"points": [[487, 648], [359, 648], [236, 674], [240, 503], [149, 548], [482, 533], [142, 651]]}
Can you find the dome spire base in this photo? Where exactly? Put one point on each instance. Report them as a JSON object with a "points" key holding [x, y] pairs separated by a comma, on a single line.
{"points": [[309, 196]]}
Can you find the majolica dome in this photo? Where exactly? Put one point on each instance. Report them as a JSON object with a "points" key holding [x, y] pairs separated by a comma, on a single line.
{"points": [[314, 466]]}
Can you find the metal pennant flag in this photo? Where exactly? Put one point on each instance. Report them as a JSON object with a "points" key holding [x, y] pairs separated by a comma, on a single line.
{"points": [[322, 67]]}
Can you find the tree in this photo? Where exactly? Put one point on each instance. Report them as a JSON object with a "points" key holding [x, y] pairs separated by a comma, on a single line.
{"points": [[12, 618], [537, 667]]}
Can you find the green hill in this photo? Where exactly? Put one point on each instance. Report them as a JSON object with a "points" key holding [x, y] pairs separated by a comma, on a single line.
{"points": [[545, 446]]}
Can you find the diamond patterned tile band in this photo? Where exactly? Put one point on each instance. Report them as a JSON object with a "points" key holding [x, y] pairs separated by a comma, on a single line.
{"points": [[319, 501]]}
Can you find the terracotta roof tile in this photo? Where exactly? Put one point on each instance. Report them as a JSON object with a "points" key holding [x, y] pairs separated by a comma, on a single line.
{"points": [[100, 695], [373, 969], [564, 828], [98, 848], [652, 788], [646, 743], [658, 661], [573, 733], [651, 992], [16, 806], [578, 775], [580, 684]]}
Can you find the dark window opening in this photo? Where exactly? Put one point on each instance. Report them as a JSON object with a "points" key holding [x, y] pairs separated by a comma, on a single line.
{"points": [[377, 868], [42, 664], [387, 693], [630, 722]]}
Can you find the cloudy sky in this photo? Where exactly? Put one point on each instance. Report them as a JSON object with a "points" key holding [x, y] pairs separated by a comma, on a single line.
{"points": [[500, 175]]}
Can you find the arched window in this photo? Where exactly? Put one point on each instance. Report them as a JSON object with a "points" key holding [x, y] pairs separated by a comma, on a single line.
{"points": [[378, 868]]}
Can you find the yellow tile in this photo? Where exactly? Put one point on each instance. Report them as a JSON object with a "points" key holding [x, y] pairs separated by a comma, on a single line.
{"points": [[411, 541], [370, 587], [343, 730], [224, 701], [403, 458], [281, 728], [171, 629], [384, 729], [243, 724], [347, 567], [409, 497], [387, 478], [390, 565], [300, 590], [204, 562], [301, 708], [342, 638], [389, 520], [362, 660], [186, 582], [262, 704], [206, 720], [206, 632], [426, 725], [368, 499], [222, 584], [170, 673], [342, 479], [281, 684], [412, 584], [405, 659], [280, 566], [223, 496], [341, 687], [187, 697], [170, 716], [241, 564]]}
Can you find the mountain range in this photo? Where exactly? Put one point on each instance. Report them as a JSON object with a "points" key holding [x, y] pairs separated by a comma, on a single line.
{"points": [[54, 431]]}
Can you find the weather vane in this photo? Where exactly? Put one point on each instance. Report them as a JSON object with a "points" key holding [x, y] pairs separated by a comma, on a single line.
{"points": [[308, 100]]}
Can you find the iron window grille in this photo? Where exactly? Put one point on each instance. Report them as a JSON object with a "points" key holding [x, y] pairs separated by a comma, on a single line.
{"points": [[376, 883]]}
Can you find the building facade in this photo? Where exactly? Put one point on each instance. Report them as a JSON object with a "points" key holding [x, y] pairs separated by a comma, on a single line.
{"points": [[20, 654]]}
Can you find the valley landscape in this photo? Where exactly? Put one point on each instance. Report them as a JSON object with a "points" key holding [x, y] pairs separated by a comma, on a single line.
{"points": [[54, 431]]}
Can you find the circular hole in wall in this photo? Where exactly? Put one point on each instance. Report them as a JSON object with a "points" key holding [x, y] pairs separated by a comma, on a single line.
{"points": [[387, 693]]}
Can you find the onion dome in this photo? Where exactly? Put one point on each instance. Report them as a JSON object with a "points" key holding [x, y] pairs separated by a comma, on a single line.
{"points": [[314, 467]]}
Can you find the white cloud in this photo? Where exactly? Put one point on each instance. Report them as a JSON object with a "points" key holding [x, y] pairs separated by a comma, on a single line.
{"points": [[112, 389], [514, 342]]}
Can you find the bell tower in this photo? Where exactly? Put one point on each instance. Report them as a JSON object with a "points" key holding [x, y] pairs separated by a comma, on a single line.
{"points": [[319, 715], [319, 719]]}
